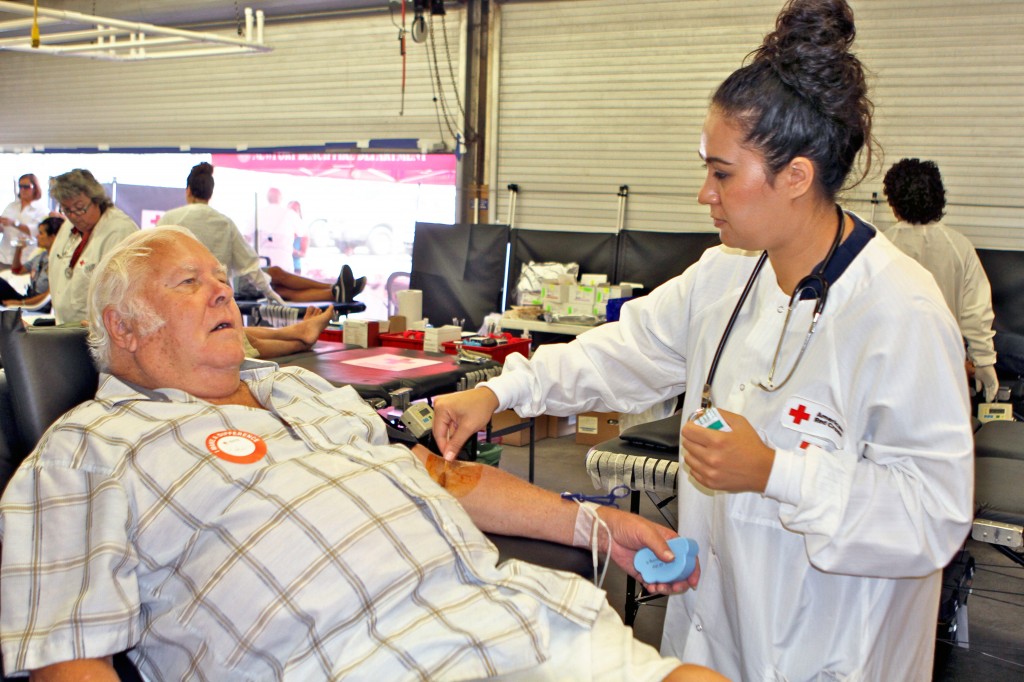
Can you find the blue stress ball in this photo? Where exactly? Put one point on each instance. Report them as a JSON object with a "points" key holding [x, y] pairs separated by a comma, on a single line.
{"points": [[654, 570]]}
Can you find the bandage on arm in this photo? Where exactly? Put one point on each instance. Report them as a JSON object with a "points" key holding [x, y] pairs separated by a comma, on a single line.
{"points": [[587, 533]]}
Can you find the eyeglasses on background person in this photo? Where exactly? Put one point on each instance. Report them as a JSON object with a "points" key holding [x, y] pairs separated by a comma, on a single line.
{"points": [[75, 211]]}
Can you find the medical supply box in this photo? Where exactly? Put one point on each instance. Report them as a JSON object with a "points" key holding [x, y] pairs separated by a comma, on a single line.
{"points": [[498, 352], [595, 427]]}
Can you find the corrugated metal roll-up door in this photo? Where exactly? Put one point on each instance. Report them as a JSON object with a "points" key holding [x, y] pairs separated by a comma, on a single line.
{"points": [[334, 79], [948, 85], [594, 94]]}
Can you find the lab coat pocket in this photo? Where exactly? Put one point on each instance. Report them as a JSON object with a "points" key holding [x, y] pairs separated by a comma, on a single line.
{"points": [[753, 508]]}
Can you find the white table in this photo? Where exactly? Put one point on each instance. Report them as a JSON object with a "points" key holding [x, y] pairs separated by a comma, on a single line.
{"points": [[546, 327]]}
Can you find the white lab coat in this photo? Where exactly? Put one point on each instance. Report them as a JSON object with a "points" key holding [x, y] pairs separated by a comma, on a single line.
{"points": [[833, 573], [954, 263], [30, 216], [69, 295], [278, 226]]}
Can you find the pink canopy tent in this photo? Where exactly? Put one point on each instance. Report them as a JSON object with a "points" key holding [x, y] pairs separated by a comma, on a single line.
{"points": [[427, 169]]}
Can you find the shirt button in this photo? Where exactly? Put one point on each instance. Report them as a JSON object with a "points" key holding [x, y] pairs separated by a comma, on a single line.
{"points": [[743, 387], [780, 309], [700, 628]]}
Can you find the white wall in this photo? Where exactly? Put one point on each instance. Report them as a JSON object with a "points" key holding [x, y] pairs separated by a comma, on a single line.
{"points": [[327, 80], [594, 94], [587, 95]]}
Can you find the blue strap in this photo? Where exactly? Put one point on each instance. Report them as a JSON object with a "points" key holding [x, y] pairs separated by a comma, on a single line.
{"points": [[609, 500]]}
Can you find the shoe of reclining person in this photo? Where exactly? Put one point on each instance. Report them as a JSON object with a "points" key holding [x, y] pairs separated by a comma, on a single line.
{"points": [[344, 288], [360, 284]]}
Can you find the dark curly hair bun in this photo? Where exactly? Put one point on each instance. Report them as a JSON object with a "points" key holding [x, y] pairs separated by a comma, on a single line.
{"points": [[200, 181], [810, 51], [804, 93]]}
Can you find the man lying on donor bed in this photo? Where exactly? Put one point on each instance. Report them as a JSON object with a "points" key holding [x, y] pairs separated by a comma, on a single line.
{"points": [[228, 519]]}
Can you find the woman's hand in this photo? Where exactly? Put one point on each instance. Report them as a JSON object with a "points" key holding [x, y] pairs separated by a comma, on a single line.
{"points": [[732, 461], [458, 416]]}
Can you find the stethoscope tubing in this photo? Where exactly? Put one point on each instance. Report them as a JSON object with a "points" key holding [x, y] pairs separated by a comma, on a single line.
{"points": [[817, 276]]}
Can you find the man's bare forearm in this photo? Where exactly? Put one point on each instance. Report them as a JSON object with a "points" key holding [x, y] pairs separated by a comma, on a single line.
{"points": [[78, 670], [501, 503]]}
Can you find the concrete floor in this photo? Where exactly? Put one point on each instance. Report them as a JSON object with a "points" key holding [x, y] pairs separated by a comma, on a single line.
{"points": [[995, 606]]}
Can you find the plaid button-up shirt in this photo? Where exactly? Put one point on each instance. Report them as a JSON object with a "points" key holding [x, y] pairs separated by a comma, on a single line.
{"points": [[223, 542]]}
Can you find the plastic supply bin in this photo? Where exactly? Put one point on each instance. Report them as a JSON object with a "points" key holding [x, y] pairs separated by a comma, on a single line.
{"points": [[498, 353]]}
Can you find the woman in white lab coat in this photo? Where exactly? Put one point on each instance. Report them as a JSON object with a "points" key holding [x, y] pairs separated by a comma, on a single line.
{"points": [[825, 516], [21, 217]]}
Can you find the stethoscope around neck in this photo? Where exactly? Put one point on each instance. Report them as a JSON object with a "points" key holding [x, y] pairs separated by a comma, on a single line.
{"points": [[814, 282]]}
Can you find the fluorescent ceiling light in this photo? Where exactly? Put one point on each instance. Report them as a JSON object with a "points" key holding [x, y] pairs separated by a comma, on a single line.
{"points": [[95, 37]]}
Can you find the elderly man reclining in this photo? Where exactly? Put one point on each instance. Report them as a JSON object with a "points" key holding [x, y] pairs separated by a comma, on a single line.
{"points": [[225, 518]]}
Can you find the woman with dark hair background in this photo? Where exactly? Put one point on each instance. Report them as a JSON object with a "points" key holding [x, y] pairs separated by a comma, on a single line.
{"points": [[917, 198], [219, 233], [37, 267], [843, 483]]}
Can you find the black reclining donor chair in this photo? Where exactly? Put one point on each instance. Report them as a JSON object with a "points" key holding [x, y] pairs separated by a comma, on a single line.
{"points": [[48, 370]]}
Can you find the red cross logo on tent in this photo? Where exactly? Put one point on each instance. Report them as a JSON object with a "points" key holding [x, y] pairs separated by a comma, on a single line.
{"points": [[799, 414]]}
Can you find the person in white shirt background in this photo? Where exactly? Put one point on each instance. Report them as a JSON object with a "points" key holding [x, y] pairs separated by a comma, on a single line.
{"points": [[277, 225], [917, 198], [20, 218], [826, 514], [220, 234]]}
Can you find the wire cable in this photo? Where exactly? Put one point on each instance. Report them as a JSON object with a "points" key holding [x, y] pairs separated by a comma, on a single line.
{"points": [[401, 48]]}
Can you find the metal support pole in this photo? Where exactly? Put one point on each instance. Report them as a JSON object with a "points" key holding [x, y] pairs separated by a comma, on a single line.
{"points": [[623, 197], [513, 196]]}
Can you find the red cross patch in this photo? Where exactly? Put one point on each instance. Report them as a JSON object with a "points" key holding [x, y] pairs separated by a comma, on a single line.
{"points": [[799, 414]]}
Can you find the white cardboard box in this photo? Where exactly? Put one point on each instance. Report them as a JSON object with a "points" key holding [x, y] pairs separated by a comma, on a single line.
{"points": [[584, 295], [555, 292], [362, 333], [434, 338]]}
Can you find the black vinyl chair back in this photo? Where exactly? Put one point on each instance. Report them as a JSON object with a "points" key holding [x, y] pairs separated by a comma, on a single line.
{"points": [[1005, 274], [594, 251], [653, 258], [460, 269], [48, 371], [10, 455]]}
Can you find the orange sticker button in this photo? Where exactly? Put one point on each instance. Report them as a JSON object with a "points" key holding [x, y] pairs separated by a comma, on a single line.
{"points": [[237, 447]]}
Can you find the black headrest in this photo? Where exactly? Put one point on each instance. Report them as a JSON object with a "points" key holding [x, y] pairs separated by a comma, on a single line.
{"points": [[49, 371], [662, 434], [1005, 271]]}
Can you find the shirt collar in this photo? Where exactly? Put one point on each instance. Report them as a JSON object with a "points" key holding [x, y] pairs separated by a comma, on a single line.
{"points": [[862, 233], [115, 390]]}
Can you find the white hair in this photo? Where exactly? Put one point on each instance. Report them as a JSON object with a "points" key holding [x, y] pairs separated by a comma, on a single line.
{"points": [[118, 283]]}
